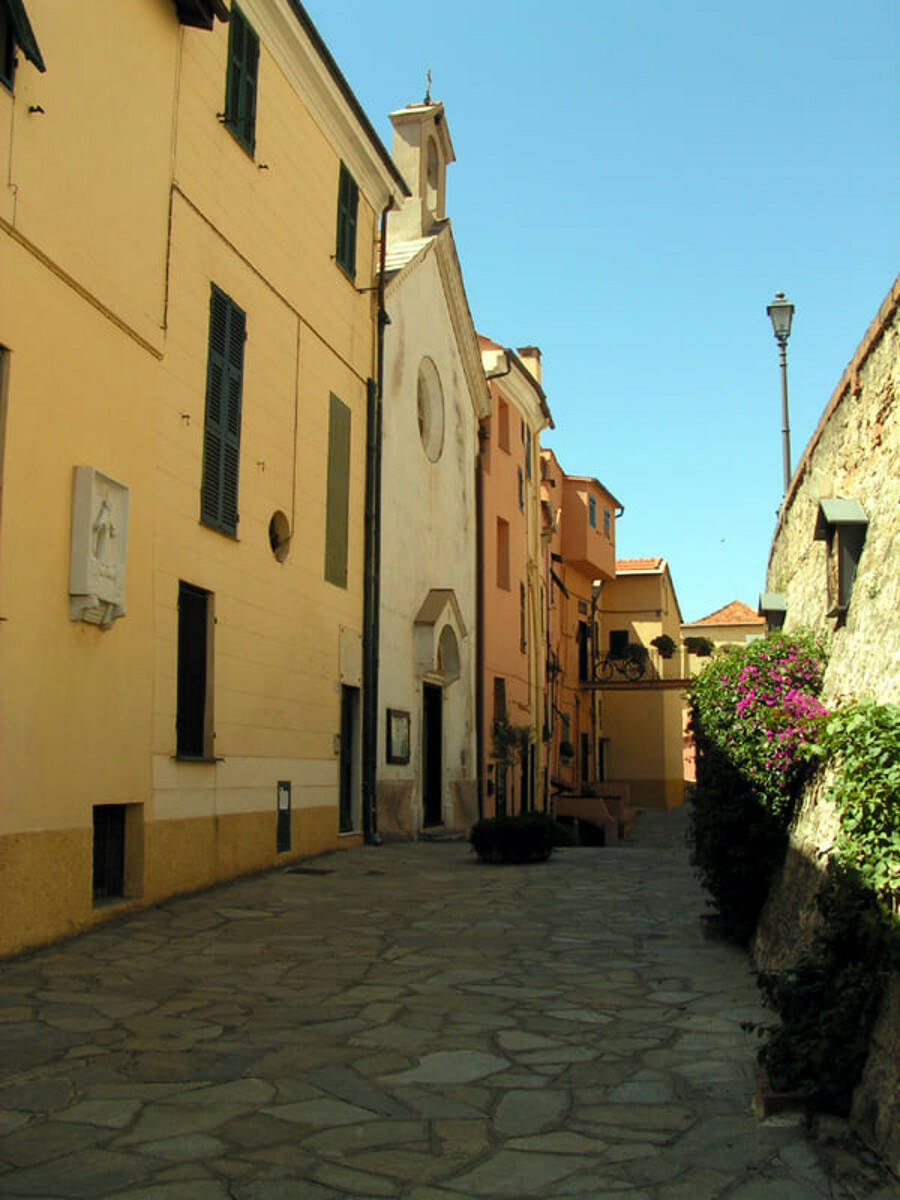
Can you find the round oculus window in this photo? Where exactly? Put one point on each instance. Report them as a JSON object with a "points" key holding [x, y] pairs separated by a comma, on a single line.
{"points": [[430, 410]]}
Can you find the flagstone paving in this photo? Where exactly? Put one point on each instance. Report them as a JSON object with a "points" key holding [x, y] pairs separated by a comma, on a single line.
{"points": [[407, 1023]]}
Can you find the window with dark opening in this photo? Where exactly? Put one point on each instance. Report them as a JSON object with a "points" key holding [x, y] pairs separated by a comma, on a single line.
{"points": [[193, 718], [618, 642], [109, 851]]}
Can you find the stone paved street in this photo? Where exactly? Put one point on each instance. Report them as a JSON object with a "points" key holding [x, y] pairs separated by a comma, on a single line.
{"points": [[402, 1022]]}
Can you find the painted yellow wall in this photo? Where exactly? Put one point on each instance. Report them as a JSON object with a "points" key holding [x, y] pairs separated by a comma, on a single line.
{"points": [[643, 727], [130, 199]]}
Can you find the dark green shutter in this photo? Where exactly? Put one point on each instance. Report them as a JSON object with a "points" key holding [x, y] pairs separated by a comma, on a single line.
{"points": [[348, 203], [240, 87], [337, 512], [222, 427]]}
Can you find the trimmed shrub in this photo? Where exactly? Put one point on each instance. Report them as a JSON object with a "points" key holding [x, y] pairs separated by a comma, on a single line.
{"points": [[527, 837]]}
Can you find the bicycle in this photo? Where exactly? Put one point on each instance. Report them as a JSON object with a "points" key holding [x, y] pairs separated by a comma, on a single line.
{"points": [[630, 665]]}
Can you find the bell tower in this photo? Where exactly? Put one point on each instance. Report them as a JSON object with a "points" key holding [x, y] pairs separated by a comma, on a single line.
{"points": [[421, 149]]}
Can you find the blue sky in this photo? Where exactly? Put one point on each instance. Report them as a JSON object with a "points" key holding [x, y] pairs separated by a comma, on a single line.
{"points": [[634, 182]]}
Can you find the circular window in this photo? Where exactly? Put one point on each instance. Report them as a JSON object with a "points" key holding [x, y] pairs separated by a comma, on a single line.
{"points": [[279, 535], [430, 409]]}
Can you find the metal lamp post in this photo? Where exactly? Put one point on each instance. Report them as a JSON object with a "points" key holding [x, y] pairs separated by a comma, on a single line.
{"points": [[780, 313]]}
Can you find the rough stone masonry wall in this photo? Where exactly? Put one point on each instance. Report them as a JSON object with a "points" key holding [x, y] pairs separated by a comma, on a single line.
{"points": [[854, 454]]}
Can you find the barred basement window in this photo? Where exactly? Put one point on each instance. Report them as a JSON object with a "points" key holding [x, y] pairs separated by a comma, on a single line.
{"points": [[222, 423]]}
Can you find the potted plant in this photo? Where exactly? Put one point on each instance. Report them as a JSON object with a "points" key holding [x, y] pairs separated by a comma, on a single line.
{"points": [[664, 644], [701, 646]]}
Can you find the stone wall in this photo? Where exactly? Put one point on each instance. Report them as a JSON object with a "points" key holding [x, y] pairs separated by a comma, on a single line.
{"points": [[853, 454]]}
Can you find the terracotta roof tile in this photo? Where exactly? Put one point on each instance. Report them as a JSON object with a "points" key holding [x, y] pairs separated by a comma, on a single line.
{"points": [[735, 613], [624, 565]]}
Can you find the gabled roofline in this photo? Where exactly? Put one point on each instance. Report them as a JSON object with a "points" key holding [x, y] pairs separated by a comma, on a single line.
{"points": [[443, 246], [601, 486]]}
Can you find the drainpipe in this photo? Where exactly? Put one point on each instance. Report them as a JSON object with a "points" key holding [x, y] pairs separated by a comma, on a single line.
{"points": [[372, 563], [480, 750], [596, 589], [480, 762]]}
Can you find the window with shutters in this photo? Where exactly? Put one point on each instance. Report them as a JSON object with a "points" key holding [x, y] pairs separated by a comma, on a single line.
{"points": [[193, 722], [7, 48], [337, 510], [222, 422], [16, 30], [348, 203], [240, 83]]}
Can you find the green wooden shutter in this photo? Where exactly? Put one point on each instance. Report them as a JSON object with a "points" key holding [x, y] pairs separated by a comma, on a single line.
{"points": [[222, 426], [337, 512], [240, 86], [348, 203]]}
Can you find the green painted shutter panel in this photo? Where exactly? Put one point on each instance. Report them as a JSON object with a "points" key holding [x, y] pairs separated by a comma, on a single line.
{"points": [[337, 512], [348, 204], [240, 86], [222, 426]]}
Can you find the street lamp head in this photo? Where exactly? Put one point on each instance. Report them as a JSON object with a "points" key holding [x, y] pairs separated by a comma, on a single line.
{"points": [[780, 312]]}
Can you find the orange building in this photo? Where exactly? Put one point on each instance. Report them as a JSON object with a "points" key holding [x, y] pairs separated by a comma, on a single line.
{"points": [[579, 519], [511, 701]]}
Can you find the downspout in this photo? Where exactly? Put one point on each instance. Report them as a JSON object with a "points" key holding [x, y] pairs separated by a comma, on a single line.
{"points": [[480, 747], [481, 764], [480, 752], [596, 589], [372, 562]]}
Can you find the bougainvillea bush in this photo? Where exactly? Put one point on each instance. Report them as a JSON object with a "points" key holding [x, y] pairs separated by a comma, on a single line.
{"points": [[754, 714]]}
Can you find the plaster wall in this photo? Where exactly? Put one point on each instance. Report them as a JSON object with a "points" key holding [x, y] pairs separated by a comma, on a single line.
{"points": [[428, 541], [86, 179], [128, 209], [503, 654], [644, 727]]}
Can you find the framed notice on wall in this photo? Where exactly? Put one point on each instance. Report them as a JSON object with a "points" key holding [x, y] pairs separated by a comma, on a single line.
{"points": [[397, 736]]}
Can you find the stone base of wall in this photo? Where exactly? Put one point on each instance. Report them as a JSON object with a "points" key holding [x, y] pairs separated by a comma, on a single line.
{"points": [[465, 803], [790, 916], [395, 808], [46, 877], [786, 929], [875, 1115]]}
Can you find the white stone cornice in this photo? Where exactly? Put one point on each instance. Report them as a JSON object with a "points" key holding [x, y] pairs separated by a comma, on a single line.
{"points": [[518, 385], [461, 319], [443, 247], [283, 36]]}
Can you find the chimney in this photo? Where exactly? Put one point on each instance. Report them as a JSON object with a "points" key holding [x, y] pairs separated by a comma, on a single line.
{"points": [[531, 357]]}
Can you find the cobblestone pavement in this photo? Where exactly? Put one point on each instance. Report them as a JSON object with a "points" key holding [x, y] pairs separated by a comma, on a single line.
{"points": [[403, 1022]]}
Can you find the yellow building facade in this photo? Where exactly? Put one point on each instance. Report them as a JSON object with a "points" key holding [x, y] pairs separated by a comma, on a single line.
{"points": [[188, 360], [641, 719]]}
